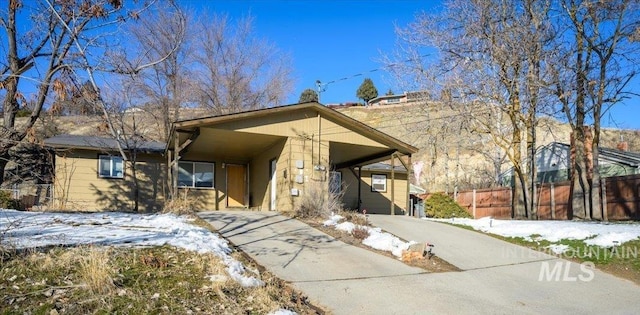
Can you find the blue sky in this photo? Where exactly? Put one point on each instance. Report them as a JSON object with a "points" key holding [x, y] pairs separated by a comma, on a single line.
{"points": [[332, 40]]}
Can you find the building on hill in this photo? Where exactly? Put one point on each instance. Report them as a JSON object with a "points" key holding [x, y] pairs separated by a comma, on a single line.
{"points": [[267, 159], [553, 163], [398, 99]]}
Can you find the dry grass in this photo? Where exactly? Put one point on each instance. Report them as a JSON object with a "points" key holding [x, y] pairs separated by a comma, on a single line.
{"points": [[317, 202], [96, 272], [89, 280], [360, 233], [180, 205]]}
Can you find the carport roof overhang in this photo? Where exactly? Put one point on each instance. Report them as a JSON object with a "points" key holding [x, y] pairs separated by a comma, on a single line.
{"points": [[240, 144]]}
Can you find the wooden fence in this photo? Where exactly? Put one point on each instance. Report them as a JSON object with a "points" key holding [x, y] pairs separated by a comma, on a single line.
{"points": [[621, 202]]}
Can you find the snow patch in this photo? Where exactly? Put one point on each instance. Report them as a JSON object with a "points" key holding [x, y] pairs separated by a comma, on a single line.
{"points": [[593, 233], [39, 229]]}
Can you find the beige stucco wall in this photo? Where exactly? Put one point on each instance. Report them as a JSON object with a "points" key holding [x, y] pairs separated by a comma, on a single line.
{"points": [[373, 201], [77, 185]]}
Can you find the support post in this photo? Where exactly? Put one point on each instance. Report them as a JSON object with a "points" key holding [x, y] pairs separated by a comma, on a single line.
{"points": [[393, 180], [360, 189], [174, 168], [409, 168]]}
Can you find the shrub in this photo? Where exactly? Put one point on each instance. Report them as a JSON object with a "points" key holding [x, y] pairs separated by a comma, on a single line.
{"points": [[360, 232], [180, 205], [316, 202], [442, 206], [7, 201]]}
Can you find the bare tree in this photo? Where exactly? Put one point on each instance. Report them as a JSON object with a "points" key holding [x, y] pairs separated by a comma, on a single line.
{"points": [[39, 52], [118, 62], [237, 70], [489, 62], [168, 85], [593, 69]]}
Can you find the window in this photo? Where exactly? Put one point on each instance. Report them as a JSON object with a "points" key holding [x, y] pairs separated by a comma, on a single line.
{"points": [[379, 183], [195, 174], [110, 166], [335, 183]]}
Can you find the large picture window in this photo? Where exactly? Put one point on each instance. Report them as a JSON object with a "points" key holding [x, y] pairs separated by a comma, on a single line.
{"points": [[110, 166], [195, 174], [379, 183]]}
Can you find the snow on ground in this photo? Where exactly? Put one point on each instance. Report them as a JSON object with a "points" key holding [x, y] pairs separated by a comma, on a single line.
{"points": [[377, 239], [22, 229], [603, 234]]}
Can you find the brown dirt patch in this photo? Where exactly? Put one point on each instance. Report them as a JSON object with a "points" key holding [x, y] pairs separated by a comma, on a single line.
{"points": [[431, 264]]}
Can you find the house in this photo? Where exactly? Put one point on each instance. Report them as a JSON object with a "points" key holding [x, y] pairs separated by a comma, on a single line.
{"points": [[264, 159], [553, 163], [90, 173], [397, 99]]}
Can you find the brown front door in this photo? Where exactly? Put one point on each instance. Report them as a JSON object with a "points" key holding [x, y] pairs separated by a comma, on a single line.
{"points": [[236, 185]]}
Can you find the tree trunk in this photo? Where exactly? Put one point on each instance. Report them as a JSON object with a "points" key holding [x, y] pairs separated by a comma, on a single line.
{"points": [[596, 197], [519, 200], [4, 159], [580, 191]]}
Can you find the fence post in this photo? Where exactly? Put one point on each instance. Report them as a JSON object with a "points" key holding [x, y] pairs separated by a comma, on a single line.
{"points": [[473, 203], [603, 198], [552, 194]]}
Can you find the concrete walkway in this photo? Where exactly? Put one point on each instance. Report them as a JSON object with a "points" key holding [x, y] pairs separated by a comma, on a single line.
{"points": [[349, 280]]}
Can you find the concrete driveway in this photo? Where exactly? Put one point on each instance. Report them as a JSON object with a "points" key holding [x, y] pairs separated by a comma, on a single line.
{"points": [[497, 278]]}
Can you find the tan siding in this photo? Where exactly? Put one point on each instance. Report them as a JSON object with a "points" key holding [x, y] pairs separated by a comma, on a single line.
{"points": [[260, 178], [332, 131], [374, 202], [302, 123], [78, 187]]}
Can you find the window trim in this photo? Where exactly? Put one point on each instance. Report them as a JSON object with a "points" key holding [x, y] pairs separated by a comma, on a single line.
{"points": [[379, 176], [193, 179], [111, 158]]}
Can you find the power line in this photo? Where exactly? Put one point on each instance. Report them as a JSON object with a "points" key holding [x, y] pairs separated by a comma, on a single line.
{"points": [[323, 86]]}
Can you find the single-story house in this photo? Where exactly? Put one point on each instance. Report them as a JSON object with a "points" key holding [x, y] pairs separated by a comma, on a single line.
{"points": [[263, 159], [553, 163]]}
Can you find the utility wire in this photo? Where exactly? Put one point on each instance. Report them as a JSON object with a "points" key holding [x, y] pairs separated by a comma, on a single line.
{"points": [[322, 86]]}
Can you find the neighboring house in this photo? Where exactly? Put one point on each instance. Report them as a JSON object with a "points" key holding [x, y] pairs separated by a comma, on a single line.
{"points": [[263, 159], [553, 163], [90, 174], [397, 99]]}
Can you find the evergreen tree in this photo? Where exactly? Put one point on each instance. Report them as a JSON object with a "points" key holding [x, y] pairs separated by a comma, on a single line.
{"points": [[389, 93], [308, 95], [367, 91]]}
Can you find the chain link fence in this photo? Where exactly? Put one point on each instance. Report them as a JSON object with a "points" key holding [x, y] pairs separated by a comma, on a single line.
{"points": [[31, 196]]}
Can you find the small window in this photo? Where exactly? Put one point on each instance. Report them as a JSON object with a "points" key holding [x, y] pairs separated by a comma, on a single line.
{"points": [[335, 183], [379, 183], [111, 166], [195, 174]]}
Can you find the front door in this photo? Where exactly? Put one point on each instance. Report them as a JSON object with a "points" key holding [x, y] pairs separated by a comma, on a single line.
{"points": [[236, 185]]}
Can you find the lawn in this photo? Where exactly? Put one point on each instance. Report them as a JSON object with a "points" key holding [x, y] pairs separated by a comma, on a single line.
{"points": [[56, 263], [613, 247]]}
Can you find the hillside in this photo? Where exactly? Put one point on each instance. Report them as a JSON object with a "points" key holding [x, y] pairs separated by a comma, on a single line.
{"points": [[451, 154]]}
